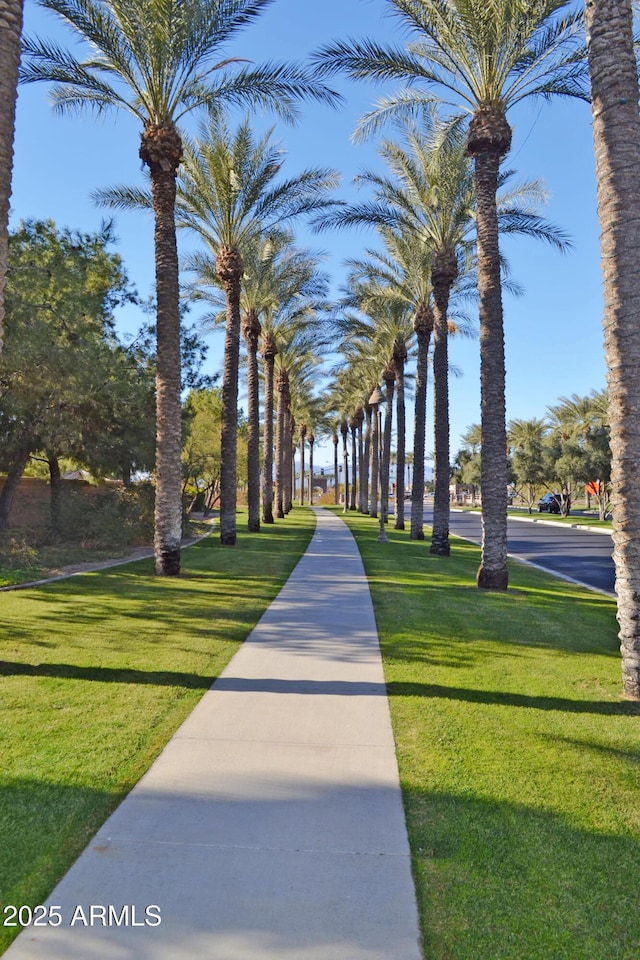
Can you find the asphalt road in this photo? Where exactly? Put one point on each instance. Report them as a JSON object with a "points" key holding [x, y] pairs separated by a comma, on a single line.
{"points": [[579, 554]]}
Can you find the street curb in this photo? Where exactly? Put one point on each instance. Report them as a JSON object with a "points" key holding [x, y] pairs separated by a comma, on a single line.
{"points": [[548, 523]]}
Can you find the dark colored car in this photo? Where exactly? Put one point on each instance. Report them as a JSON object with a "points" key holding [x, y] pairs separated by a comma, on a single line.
{"points": [[550, 503]]}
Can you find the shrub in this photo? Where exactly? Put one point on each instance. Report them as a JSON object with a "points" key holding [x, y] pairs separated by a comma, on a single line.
{"points": [[16, 553], [114, 516]]}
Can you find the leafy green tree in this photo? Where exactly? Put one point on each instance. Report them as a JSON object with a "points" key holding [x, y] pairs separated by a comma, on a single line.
{"points": [[526, 447], [201, 458], [57, 369], [159, 60], [119, 439], [467, 469]]}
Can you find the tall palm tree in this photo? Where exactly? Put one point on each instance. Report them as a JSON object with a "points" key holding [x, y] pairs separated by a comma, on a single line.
{"points": [[430, 196], [378, 286], [299, 353], [401, 278], [423, 322], [480, 58], [293, 300], [10, 31], [228, 194], [281, 284], [269, 350], [159, 60], [616, 131], [353, 378]]}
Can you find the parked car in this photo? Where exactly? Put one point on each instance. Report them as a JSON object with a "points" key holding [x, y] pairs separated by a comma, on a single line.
{"points": [[550, 503]]}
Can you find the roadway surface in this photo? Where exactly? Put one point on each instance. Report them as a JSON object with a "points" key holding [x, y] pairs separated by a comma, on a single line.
{"points": [[578, 554]]}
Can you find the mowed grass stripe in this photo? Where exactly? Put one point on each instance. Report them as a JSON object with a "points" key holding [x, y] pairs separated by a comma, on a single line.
{"points": [[519, 761], [98, 671]]}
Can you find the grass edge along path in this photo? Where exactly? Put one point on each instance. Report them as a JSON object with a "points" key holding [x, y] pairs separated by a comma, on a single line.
{"points": [[519, 761], [98, 671]]}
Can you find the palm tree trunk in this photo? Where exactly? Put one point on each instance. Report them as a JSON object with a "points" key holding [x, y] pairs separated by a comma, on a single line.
{"points": [[302, 434], [344, 430], [375, 460], [268, 353], [251, 331], [281, 442], [290, 449], [401, 441], [616, 130], [10, 30], [423, 325], [161, 150], [489, 140], [353, 428], [336, 485], [229, 271], [311, 443], [443, 276], [389, 377], [363, 460]]}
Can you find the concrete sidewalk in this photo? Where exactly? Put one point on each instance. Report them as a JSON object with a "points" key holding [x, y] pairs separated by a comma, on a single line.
{"points": [[271, 827]]}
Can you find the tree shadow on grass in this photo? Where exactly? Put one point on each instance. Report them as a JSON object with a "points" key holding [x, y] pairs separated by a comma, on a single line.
{"points": [[502, 880], [623, 708], [69, 671]]}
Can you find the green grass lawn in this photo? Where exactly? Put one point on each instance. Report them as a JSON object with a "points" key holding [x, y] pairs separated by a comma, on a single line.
{"points": [[519, 761], [98, 671]]}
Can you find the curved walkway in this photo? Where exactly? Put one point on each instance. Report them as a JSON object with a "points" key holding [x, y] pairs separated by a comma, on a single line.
{"points": [[271, 826]]}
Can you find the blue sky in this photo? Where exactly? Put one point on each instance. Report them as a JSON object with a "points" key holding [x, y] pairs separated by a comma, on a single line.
{"points": [[553, 333]]}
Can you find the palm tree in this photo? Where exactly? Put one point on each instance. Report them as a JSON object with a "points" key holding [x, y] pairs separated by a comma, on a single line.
{"points": [[281, 283], [228, 195], [293, 297], [400, 278], [156, 59], [378, 286], [423, 322], [10, 31], [353, 378], [269, 350], [616, 130], [299, 353], [344, 430], [480, 58]]}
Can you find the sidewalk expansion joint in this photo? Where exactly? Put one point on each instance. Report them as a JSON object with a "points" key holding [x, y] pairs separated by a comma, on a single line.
{"points": [[103, 846]]}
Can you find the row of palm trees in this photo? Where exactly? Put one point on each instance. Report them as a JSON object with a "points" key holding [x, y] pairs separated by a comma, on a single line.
{"points": [[424, 210], [160, 61], [476, 60], [481, 59], [231, 195]]}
